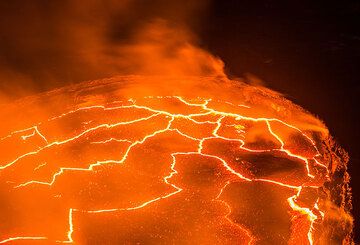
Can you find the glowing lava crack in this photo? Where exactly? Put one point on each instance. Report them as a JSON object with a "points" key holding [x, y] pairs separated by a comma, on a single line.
{"points": [[177, 169]]}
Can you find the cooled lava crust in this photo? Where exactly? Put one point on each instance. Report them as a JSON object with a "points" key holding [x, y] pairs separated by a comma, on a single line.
{"points": [[159, 160]]}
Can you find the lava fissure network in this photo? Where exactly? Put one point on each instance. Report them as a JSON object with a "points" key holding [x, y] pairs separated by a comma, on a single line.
{"points": [[165, 169]]}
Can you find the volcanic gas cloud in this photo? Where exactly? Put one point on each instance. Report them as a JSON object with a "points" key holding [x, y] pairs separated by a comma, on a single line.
{"points": [[164, 160]]}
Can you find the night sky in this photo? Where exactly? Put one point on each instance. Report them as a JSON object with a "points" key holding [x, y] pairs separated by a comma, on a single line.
{"points": [[307, 50]]}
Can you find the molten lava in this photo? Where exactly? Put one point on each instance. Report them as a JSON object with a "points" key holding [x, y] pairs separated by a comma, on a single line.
{"points": [[154, 160]]}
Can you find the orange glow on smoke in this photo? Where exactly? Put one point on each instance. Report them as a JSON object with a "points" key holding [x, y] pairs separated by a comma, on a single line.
{"points": [[164, 160]]}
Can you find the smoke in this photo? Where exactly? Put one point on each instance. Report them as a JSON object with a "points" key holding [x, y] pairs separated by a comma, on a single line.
{"points": [[47, 44], [159, 49]]}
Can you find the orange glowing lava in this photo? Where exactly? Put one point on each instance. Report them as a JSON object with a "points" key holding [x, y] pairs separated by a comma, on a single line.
{"points": [[149, 160]]}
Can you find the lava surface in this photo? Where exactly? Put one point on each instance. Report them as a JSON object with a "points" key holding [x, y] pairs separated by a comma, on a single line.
{"points": [[118, 162]]}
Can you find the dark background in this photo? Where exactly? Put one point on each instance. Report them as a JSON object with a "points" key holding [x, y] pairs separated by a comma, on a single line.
{"points": [[308, 50]]}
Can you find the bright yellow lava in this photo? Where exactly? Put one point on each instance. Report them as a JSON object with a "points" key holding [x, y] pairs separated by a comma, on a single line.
{"points": [[168, 169]]}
